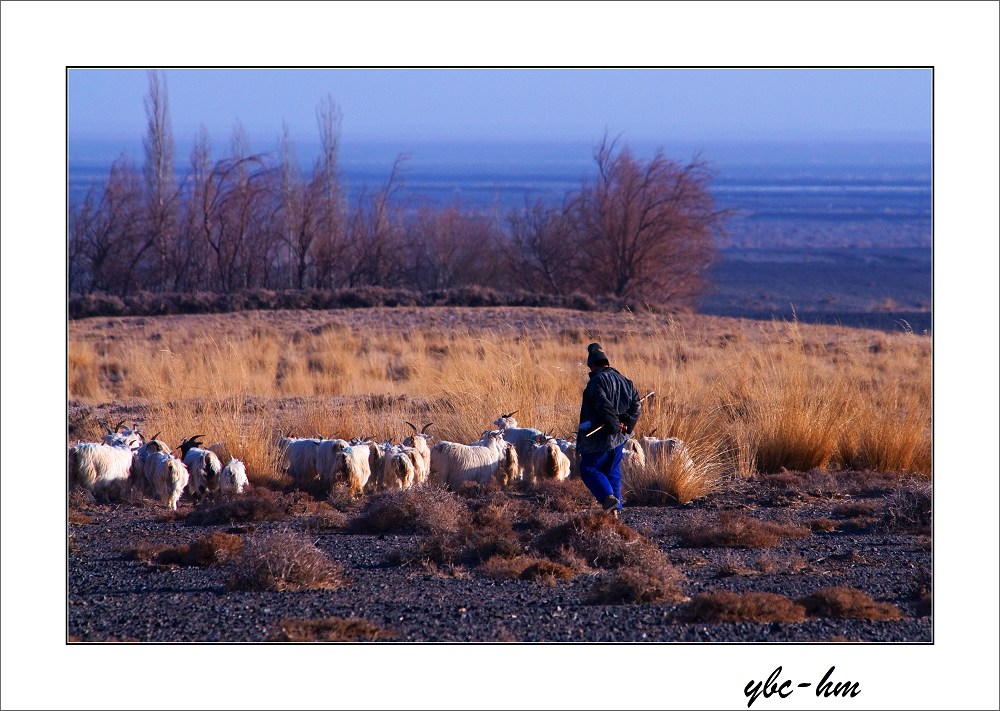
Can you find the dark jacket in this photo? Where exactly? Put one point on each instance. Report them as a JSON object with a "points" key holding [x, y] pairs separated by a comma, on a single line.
{"points": [[609, 399]]}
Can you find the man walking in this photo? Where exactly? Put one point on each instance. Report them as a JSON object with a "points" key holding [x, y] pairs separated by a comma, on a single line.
{"points": [[610, 403]]}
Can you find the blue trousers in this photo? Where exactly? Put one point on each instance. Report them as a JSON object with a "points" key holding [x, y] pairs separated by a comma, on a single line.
{"points": [[602, 473]]}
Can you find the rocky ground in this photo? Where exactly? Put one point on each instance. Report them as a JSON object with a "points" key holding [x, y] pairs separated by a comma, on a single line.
{"points": [[863, 531]]}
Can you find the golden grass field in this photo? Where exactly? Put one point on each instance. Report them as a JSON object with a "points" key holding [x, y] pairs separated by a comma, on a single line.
{"points": [[744, 395]]}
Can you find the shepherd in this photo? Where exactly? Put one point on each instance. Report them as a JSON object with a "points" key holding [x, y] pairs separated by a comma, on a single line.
{"points": [[610, 409]]}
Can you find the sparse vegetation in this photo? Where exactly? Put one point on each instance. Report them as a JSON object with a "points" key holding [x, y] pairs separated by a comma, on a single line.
{"points": [[214, 548], [848, 602], [423, 509], [331, 629], [283, 560], [737, 531], [724, 606]]}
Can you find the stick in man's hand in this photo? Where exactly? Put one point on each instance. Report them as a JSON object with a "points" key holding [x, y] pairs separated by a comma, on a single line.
{"points": [[598, 428]]}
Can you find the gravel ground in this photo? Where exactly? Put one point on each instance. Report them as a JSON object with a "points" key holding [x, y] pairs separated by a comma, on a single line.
{"points": [[112, 596]]}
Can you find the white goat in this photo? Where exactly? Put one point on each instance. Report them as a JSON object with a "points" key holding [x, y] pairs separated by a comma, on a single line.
{"points": [[233, 478], [523, 438], [299, 456], [453, 463], [203, 465], [128, 437], [398, 469], [549, 462], [664, 451], [139, 460], [166, 477], [101, 468], [568, 448], [419, 441], [326, 453], [351, 465], [633, 454]]}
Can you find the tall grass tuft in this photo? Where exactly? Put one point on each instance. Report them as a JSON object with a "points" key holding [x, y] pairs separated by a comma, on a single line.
{"points": [[672, 477], [283, 560]]}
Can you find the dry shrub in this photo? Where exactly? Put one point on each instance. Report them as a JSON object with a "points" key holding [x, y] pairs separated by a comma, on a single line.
{"points": [[421, 509], [733, 530], [561, 496], [261, 504], [214, 548], [724, 606], [477, 490], [908, 510], [284, 560], [147, 552], [672, 477], [465, 546], [660, 582], [78, 517], [526, 568], [602, 541], [853, 509], [331, 629], [732, 564], [313, 514], [766, 562], [850, 603], [823, 525]]}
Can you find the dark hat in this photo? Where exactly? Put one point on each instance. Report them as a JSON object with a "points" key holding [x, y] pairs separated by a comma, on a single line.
{"points": [[596, 354]]}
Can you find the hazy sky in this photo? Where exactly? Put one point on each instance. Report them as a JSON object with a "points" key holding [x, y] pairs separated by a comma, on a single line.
{"points": [[571, 104]]}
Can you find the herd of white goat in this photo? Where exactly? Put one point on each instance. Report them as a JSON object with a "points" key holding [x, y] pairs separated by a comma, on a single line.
{"points": [[124, 460]]}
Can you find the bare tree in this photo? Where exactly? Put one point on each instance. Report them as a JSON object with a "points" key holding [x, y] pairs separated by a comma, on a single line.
{"points": [[109, 234], [234, 200], [646, 231], [298, 213], [192, 254], [374, 235], [447, 248], [542, 252], [325, 196], [161, 186]]}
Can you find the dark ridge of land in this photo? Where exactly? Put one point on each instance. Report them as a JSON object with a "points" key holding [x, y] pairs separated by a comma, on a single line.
{"points": [[887, 289]]}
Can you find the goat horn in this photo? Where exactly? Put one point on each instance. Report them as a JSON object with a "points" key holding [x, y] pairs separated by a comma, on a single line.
{"points": [[652, 432], [156, 436], [119, 425], [424, 430], [105, 424], [411, 425]]}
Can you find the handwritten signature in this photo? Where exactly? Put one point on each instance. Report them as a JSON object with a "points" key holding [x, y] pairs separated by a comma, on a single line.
{"points": [[826, 688]]}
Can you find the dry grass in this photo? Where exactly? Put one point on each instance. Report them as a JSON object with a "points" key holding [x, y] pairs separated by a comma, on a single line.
{"points": [[737, 531], [674, 479], [660, 582], [601, 541], [848, 603], [761, 396], [331, 629], [422, 509], [724, 606], [214, 548], [567, 496], [526, 567], [283, 560], [259, 505], [908, 510]]}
